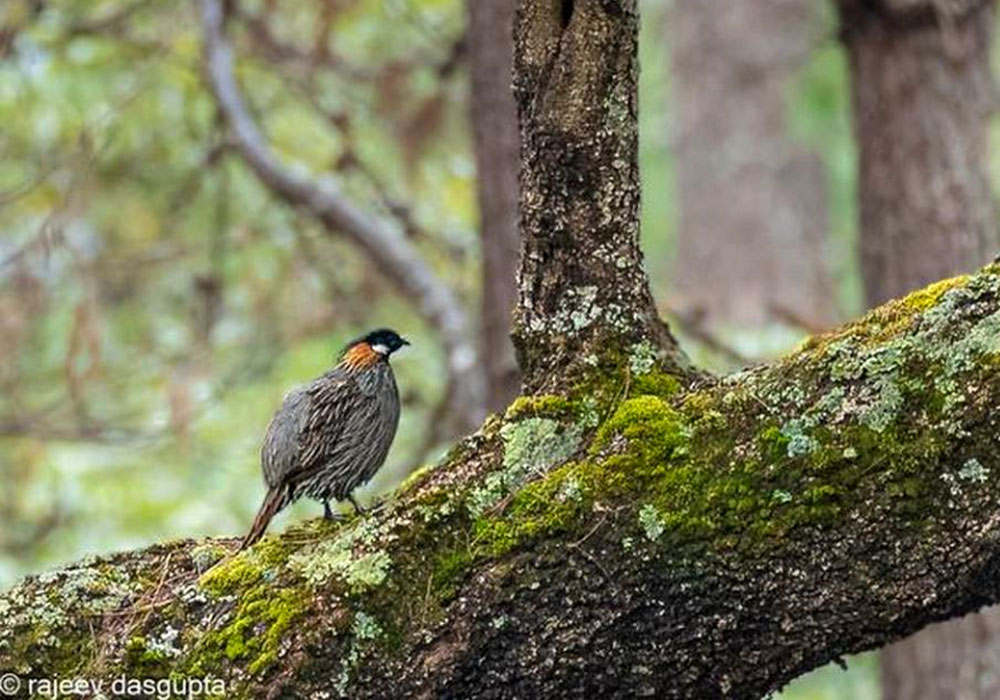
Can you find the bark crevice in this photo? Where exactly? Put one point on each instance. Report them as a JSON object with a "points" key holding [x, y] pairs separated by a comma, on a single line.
{"points": [[567, 12]]}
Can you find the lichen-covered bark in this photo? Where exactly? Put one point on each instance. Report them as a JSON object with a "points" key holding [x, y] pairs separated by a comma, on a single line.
{"points": [[629, 537], [583, 290]]}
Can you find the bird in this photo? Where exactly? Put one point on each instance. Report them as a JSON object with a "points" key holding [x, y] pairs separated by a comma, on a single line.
{"points": [[332, 435]]}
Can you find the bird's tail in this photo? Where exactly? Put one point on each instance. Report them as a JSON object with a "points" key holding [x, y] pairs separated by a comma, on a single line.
{"points": [[273, 502]]}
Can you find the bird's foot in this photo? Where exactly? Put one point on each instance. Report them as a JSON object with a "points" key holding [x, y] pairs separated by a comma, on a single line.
{"points": [[357, 509], [328, 514]]}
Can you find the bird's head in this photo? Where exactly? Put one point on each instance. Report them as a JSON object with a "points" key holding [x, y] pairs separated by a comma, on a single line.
{"points": [[368, 349], [384, 341]]}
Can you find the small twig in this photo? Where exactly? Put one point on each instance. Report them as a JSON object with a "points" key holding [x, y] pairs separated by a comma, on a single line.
{"points": [[693, 325], [591, 532], [795, 319], [159, 587]]}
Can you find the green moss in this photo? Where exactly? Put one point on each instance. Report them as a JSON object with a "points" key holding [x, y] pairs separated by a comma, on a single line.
{"points": [[535, 498], [653, 427], [253, 634], [450, 568], [542, 406], [656, 383], [559, 499], [925, 298], [240, 573], [265, 602], [542, 508], [565, 496]]}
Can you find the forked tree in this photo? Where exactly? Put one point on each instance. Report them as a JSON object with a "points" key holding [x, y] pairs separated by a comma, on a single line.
{"points": [[628, 527]]}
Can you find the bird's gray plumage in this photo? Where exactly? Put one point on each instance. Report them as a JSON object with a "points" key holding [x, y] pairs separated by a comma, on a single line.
{"points": [[330, 436]]}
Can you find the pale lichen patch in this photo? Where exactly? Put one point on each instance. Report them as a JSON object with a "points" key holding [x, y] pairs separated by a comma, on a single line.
{"points": [[365, 629], [642, 358], [651, 522], [532, 446]]}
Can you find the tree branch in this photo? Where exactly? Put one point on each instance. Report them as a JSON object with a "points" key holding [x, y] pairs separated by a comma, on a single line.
{"points": [[634, 539], [391, 252]]}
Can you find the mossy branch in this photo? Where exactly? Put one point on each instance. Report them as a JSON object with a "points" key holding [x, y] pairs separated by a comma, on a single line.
{"points": [[628, 538]]}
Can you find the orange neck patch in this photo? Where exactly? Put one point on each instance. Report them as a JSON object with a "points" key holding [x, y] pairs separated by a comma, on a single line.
{"points": [[360, 356]]}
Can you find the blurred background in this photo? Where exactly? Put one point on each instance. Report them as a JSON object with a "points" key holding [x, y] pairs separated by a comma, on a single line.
{"points": [[158, 298]]}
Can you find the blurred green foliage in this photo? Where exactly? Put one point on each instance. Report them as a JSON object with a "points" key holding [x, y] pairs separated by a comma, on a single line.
{"points": [[156, 301]]}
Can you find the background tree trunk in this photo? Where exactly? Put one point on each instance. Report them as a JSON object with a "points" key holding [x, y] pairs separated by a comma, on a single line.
{"points": [[497, 151], [955, 660], [753, 204], [923, 92]]}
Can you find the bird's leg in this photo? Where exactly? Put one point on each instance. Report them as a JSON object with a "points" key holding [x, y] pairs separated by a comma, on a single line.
{"points": [[358, 509], [327, 513]]}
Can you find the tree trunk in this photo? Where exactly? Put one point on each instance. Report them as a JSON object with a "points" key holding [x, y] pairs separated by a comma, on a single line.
{"points": [[923, 94], [584, 296], [497, 150], [956, 660], [752, 204], [639, 534]]}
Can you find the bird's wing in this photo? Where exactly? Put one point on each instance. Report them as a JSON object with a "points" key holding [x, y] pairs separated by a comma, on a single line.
{"points": [[279, 453]]}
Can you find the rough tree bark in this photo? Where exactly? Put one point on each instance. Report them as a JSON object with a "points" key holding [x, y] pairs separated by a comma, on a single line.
{"points": [[584, 296], [636, 531], [752, 206], [495, 132], [923, 94]]}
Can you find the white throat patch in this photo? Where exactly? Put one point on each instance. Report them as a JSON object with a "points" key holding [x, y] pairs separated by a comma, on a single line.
{"points": [[380, 349]]}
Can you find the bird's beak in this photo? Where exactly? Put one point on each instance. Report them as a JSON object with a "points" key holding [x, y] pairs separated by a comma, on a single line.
{"points": [[404, 341]]}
